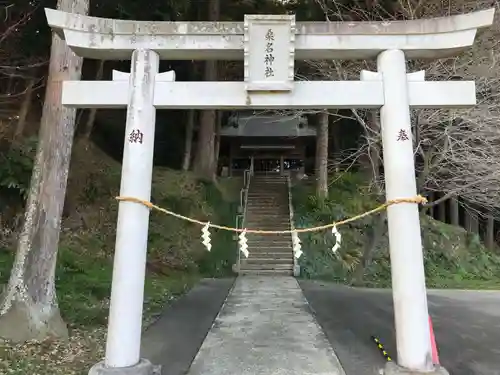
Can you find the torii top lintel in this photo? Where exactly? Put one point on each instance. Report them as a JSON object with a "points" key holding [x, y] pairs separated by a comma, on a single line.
{"points": [[109, 39]]}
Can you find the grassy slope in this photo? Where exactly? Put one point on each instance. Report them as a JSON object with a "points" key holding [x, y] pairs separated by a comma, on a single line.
{"points": [[176, 258], [453, 258]]}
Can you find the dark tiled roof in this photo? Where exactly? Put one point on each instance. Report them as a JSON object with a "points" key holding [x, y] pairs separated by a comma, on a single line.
{"points": [[269, 126]]}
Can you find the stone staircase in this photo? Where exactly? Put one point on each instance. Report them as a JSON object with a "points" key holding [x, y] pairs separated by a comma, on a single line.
{"points": [[268, 209]]}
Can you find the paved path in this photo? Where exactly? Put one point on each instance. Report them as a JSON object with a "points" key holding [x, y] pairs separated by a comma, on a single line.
{"points": [[266, 327], [466, 324]]}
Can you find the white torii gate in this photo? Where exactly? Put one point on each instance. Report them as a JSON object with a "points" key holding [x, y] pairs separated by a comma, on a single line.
{"points": [[269, 46]]}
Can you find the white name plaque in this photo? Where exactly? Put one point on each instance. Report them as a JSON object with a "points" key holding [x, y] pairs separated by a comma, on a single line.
{"points": [[269, 52]]}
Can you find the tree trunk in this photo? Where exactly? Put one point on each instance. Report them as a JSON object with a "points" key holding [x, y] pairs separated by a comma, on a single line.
{"points": [[205, 154], [336, 145], [373, 237], [441, 209], [370, 161], [89, 125], [454, 212], [218, 126], [25, 108], [471, 221], [29, 308], [188, 141], [322, 157], [490, 232], [474, 223], [431, 196], [376, 231]]}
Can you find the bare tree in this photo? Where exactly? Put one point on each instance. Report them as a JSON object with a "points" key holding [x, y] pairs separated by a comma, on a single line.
{"points": [[457, 151], [322, 156], [188, 140], [29, 307], [204, 162], [18, 68]]}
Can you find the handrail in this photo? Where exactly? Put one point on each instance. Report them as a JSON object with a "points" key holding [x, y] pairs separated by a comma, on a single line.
{"points": [[243, 203], [292, 225]]}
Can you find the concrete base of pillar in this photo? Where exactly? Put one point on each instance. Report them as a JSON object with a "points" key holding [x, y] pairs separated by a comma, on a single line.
{"points": [[296, 270], [235, 268], [392, 369], [144, 367]]}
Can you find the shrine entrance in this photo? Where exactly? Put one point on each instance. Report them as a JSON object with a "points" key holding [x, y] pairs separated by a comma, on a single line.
{"points": [[266, 166], [271, 143]]}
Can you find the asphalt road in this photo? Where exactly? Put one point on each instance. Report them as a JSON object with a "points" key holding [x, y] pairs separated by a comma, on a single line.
{"points": [[175, 338], [466, 325]]}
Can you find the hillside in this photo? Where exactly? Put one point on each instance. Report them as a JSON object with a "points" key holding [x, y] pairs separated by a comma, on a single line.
{"points": [[453, 257], [176, 256]]}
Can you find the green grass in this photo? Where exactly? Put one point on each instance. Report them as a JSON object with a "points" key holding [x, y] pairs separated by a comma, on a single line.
{"points": [[83, 288], [176, 261], [453, 258]]}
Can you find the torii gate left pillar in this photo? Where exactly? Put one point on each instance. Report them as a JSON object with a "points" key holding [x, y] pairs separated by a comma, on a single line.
{"points": [[271, 86]]}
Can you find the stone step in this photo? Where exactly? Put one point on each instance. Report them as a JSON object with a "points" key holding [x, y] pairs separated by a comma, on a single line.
{"points": [[268, 189], [277, 243], [277, 210], [269, 211], [277, 225], [268, 192], [274, 208], [273, 215], [280, 207], [266, 266], [268, 260], [268, 214], [256, 222], [270, 238], [267, 272], [268, 227], [270, 248], [271, 244], [280, 197], [269, 252], [272, 182], [271, 257], [258, 181], [262, 220], [265, 203], [267, 199], [253, 217]]}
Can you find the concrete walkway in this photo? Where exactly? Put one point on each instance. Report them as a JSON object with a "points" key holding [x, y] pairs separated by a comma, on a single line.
{"points": [[266, 327]]}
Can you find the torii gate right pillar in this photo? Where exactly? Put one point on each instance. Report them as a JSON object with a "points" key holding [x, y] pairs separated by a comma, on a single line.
{"points": [[405, 243]]}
